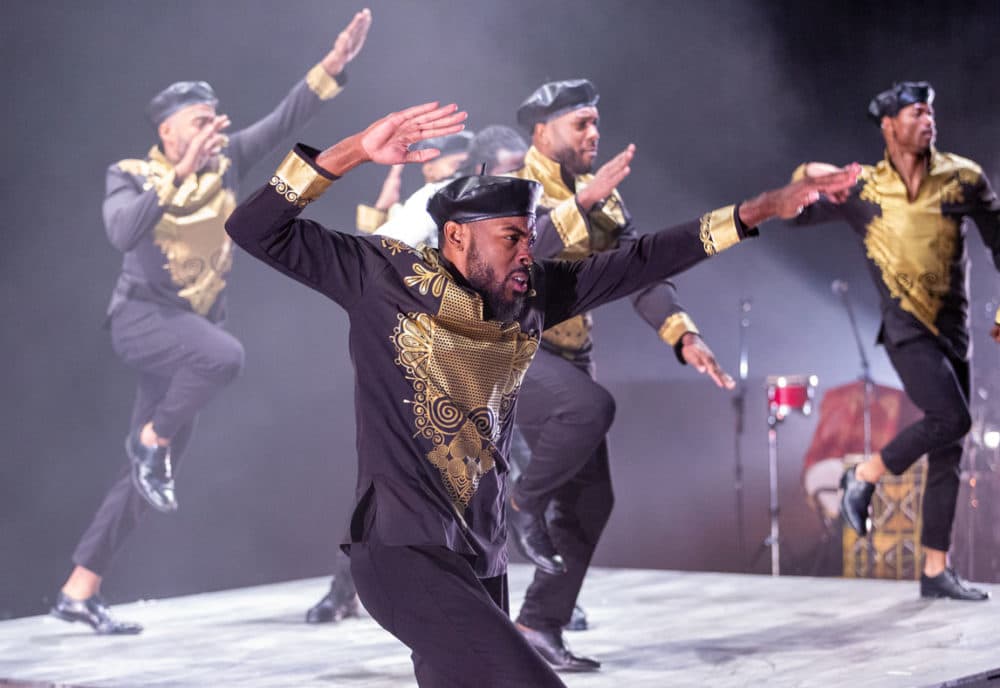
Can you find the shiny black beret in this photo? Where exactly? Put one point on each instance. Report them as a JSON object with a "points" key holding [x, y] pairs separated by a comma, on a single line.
{"points": [[474, 198], [448, 145], [176, 96], [888, 103], [556, 98]]}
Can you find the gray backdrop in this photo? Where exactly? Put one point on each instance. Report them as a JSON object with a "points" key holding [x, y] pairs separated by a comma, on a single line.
{"points": [[722, 100]]}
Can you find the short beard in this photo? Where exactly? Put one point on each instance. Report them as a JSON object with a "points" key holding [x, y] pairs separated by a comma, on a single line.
{"points": [[483, 279], [572, 163]]}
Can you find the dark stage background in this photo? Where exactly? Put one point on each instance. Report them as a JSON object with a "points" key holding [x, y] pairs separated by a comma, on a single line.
{"points": [[722, 100]]}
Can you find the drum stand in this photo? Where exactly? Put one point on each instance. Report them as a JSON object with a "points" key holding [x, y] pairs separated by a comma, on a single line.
{"points": [[785, 395]]}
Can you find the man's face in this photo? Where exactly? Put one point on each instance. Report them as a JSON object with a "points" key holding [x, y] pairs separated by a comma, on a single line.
{"points": [[442, 167], [177, 130], [571, 140], [507, 161], [499, 263], [912, 129]]}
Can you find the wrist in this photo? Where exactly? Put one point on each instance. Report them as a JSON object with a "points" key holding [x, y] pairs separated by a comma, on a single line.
{"points": [[343, 156], [332, 65], [757, 209], [689, 339]]}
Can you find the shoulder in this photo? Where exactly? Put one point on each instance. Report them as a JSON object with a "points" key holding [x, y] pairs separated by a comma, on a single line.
{"points": [[130, 166], [950, 165]]}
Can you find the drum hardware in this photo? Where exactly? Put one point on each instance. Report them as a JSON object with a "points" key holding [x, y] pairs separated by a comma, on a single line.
{"points": [[786, 394]]}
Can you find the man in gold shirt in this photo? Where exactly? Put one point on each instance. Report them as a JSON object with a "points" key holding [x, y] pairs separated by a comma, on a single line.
{"points": [[166, 213], [909, 211], [564, 413]]}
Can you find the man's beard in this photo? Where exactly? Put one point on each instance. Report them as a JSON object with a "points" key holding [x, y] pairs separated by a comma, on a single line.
{"points": [[483, 279], [573, 163]]}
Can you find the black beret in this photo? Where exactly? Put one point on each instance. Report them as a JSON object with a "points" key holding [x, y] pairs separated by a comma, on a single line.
{"points": [[556, 98], [448, 145], [177, 96], [474, 198], [889, 103]]}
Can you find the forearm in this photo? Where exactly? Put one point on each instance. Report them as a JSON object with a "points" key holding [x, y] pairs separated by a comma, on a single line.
{"points": [[130, 216], [301, 103], [650, 259]]}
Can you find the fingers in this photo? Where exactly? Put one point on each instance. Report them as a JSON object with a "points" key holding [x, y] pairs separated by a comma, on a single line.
{"points": [[395, 172], [422, 155]]}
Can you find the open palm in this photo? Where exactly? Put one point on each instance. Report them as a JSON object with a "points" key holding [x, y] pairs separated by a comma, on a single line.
{"points": [[388, 140]]}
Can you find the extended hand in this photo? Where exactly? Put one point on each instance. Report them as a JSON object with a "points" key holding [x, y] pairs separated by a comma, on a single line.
{"points": [[349, 43], [206, 144], [696, 354], [606, 179], [388, 140], [818, 169], [389, 195], [789, 200]]}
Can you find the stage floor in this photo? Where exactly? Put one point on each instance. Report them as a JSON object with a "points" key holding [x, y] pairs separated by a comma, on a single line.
{"points": [[650, 628]]}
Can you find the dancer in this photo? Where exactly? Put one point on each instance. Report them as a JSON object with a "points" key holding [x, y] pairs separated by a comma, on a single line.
{"points": [[166, 214], [908, 209], [440, 340]]}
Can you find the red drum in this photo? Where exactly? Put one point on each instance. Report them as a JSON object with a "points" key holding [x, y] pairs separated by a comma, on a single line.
{"points": [[787, 393]]}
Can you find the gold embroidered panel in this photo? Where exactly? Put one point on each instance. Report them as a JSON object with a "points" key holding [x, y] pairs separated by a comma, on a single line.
{"points": [[912, 242], [465, 374]]}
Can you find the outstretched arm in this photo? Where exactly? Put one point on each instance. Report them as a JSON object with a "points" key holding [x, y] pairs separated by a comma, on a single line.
{"points": [[575, 287], [335, 264], [323, 82]]}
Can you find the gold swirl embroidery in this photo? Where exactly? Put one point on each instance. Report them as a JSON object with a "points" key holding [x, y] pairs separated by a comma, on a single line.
{"points": [[465, 373], [290, 195], [706, 234]]}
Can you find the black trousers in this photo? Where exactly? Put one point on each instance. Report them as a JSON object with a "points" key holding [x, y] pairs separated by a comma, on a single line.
{"points": [[564, 416], [183, 360], [455, 623], [939, 385]]}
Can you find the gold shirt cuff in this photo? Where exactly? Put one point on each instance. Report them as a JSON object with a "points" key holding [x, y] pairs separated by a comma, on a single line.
{"points": [[370, 219], [322, 84], [298, 182], [676, 326], [568, 221], [996, 320], [718, 230]]}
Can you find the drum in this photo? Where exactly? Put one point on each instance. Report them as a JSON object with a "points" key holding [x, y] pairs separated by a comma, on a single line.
{"points": [[788, 393]]}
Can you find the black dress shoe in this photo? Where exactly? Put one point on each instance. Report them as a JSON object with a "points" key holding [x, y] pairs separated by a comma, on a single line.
{"points": [[531, 536], [549, 644], [578, 620], [947, 584], [855, 500], [93, 612], [151, 473], [333, 608]]}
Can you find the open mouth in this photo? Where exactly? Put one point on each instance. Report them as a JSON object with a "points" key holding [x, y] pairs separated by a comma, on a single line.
{"points": [[520, 281]]}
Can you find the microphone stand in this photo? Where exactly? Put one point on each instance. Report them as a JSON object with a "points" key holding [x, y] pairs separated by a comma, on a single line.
{"points": [[739, 406], [840, 287]]}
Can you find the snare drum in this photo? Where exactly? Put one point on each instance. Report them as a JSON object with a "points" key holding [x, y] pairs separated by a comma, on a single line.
{"points": [[787, 393]]}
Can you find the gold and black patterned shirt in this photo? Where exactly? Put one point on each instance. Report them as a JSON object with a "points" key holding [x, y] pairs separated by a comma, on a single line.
{"points": [[436, 378], [566, 231], [916, 248], [172, 231]]}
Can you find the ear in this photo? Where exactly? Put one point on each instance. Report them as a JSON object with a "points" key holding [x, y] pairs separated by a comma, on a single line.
{"points": [[455, 237], [538, 132], [164, 129]]}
